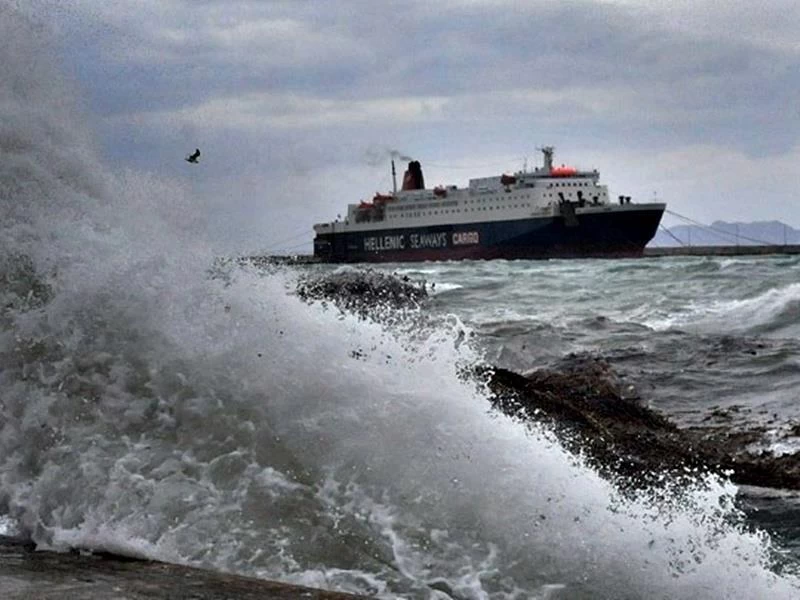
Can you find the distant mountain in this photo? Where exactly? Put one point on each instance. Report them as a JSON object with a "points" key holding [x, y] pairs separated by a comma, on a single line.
{"points": [[721, 233]]}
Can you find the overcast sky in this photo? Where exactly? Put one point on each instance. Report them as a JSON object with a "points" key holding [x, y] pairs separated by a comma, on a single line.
{"points": [[297, 105]]}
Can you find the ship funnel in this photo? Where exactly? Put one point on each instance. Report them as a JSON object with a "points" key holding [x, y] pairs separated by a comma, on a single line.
{"points": [[413, 180]]}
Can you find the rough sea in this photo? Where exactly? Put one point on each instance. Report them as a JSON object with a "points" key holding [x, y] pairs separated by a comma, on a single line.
{"points": [[154, 405]]}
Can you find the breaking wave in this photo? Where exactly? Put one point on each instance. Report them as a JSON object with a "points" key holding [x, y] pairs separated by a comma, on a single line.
{"points": [[775, 311]]}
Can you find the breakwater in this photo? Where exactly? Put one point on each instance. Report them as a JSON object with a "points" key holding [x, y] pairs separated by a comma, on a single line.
{"points": [[742, 250], [722, 250]]}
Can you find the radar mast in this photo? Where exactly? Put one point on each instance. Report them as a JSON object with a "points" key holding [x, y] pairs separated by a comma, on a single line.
{"points": [[548, 157]]}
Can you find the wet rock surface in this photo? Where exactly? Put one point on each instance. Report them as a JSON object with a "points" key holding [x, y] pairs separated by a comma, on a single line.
{"points": [[26, 574], [593, 411], [363, 291]]}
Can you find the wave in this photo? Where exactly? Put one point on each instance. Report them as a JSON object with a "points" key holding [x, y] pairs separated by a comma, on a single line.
{"points": [[773, 311]]}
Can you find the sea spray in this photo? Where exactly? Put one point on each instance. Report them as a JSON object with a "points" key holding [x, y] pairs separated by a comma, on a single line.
{"points": [[392, 455]]}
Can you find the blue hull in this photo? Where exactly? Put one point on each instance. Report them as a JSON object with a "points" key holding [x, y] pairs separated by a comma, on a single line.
{"points": [[591, 235]]}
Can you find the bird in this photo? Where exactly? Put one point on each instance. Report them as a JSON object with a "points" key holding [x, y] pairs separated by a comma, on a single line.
{"points": [[194, 158]]}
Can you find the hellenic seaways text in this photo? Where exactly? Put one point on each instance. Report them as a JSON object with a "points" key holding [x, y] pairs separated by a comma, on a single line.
{"points": [[403, 241]]}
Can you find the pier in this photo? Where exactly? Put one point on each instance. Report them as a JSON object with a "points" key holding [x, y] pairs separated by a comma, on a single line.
{"points": [[760, 250]]}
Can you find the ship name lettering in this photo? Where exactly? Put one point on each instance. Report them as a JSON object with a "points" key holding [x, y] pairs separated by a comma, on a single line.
{"points": [[428, 240], [385, 242], [463, 238]]}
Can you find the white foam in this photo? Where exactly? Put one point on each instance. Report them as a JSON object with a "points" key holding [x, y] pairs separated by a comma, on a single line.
{"points": [[731, 316]]}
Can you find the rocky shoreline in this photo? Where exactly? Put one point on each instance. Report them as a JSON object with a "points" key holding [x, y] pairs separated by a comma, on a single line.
{"points": [[588, 405], [593, 412], [26, 574]]}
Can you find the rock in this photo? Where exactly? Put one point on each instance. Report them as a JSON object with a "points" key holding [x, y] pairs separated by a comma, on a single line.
{"points": [[26, 574], [582, 400], [362, 291], [583, 403]]}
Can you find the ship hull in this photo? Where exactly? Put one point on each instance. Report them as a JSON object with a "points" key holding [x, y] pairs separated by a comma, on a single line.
{"points": [[601, 234]]}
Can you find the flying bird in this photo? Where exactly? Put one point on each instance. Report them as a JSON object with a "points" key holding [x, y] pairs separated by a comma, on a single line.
{"points": [[194, 158]]}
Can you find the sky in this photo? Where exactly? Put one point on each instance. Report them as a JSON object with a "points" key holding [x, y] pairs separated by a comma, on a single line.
{"points": [[298, 106]]}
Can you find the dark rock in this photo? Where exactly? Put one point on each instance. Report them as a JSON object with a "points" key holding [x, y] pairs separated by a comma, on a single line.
{"points": [[362, 291], [583, 403], [594, 413], [26, 574]]}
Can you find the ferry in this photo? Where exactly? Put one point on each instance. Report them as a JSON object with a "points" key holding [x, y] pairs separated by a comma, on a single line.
{"points": [[549, 212]]}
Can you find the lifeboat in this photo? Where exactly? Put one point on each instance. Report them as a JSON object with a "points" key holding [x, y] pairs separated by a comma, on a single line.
{"points": [[563, 171], [507, 179], [379, 199]]}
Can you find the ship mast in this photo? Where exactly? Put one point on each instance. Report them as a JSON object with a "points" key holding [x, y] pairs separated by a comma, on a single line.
{"points": [[394, 180], [548, 158]]}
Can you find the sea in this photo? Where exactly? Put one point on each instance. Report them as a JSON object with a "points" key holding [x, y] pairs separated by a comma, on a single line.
{"points": [[157, 402]]}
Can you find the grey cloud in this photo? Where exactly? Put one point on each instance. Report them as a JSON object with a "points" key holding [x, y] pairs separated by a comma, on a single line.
{"points": [[358, 50]]}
